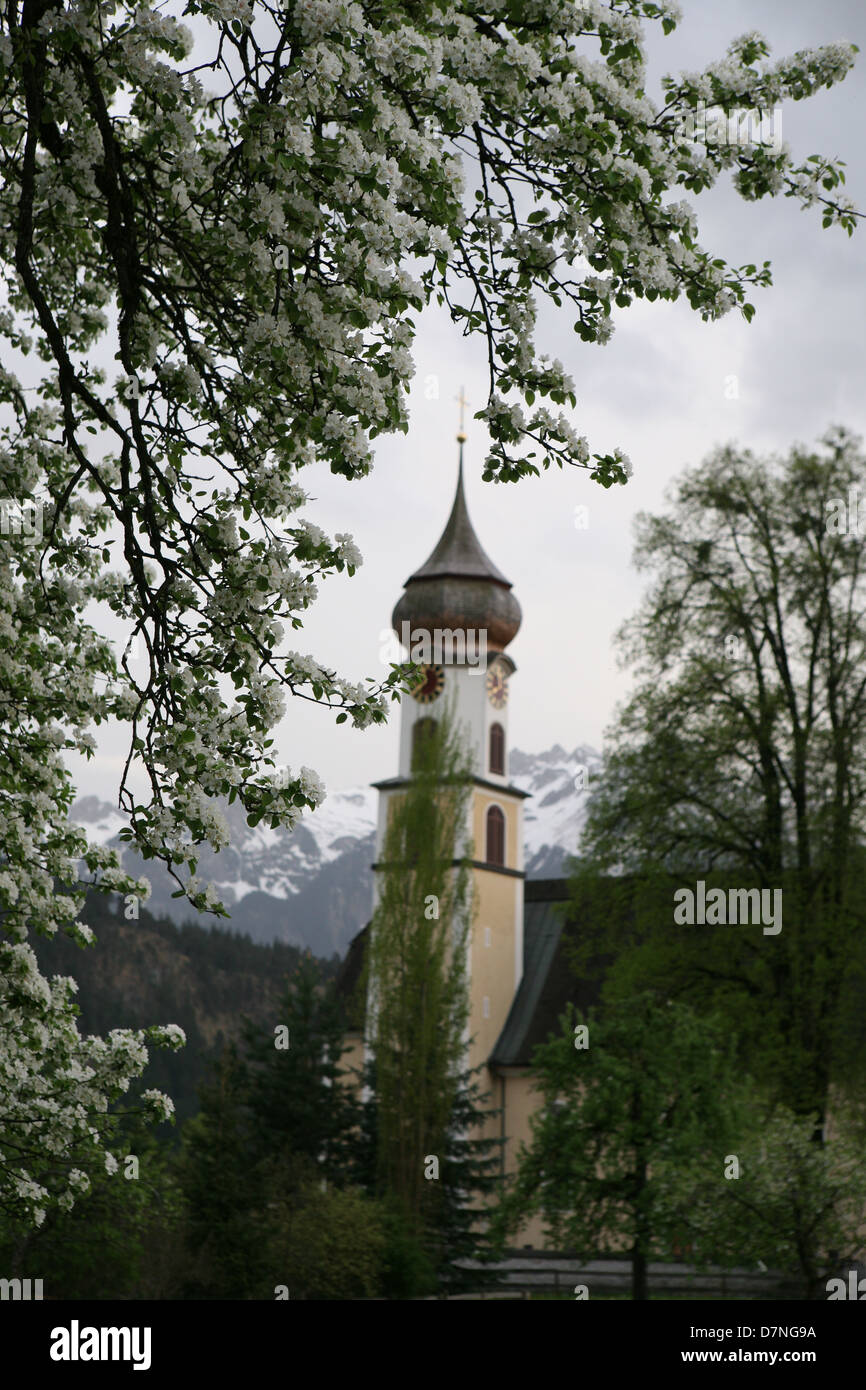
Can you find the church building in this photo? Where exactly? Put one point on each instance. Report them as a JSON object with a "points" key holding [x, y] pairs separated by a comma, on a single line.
{"points": [[518, 981]]}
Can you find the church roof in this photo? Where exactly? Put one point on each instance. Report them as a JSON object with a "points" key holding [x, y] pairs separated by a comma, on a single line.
{"points": [[548, 982], [459, 553], [542, 929], [347, 984], [459, 588]]}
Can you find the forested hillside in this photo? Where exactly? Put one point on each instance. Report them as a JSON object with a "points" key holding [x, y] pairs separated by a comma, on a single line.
{"points": [[153, 971]]}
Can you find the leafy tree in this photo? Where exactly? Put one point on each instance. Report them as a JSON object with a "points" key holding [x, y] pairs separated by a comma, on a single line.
{"points": [[408, 1268], [621, 1119], [797, 1206], [56, 1087], [415, 964], [738, 759], [426, 1103], [122, 1239], [204, 292], [328, 1244], [451, 1247]]}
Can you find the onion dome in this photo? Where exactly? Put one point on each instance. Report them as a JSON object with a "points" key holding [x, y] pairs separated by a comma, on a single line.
{"points": [[459, 587]]}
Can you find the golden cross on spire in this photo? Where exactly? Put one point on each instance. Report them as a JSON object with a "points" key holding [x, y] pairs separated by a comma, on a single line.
{"points": [[462, 402]]}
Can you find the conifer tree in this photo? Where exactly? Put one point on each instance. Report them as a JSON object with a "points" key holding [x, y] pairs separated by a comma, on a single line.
{"points": [[295, 1094], [276, 1124], [222, 1187]]}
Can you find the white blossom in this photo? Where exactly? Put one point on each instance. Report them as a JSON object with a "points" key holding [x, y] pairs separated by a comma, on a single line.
{"points": [[259, 306]]}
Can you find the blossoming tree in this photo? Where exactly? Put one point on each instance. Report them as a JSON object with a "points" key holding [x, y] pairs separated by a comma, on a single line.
{"points": [[205, 292]]}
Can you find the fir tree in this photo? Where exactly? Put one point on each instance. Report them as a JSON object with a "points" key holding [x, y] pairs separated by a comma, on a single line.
{"points": [[296, 1095], [275, 1122], [222, 1186]]}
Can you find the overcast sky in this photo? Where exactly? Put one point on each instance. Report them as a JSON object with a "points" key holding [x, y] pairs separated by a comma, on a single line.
{"points": [[657, 390]]}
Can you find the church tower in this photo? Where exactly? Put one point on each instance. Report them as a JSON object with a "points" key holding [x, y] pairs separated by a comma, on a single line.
{"points": [[457, 615]]}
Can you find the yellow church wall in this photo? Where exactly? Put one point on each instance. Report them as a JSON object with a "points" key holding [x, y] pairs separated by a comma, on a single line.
{"points": [[499, 903], [352, 1060], [492, 967], [521, 1101]]}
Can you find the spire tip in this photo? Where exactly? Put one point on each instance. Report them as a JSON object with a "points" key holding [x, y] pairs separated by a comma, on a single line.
{"points": [[461, 433]]}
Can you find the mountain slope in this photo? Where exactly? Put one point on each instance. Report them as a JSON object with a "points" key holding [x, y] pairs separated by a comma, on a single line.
{"points": [[313, 888], [154, 971]]}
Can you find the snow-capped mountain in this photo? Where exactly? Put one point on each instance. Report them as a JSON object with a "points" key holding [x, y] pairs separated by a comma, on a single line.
{"points": [[559, 784], [313, 887]]}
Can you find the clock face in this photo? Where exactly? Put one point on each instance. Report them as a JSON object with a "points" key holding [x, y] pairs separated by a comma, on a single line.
{"points": [[429, 688], [497, 687]]}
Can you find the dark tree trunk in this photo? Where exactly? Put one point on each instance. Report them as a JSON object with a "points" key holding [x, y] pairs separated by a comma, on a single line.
{"points": [[639, 1288]]}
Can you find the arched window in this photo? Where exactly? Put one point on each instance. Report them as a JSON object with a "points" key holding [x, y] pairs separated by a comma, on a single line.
{"points": [[497, 749], [422, 730], [495, 836]]}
